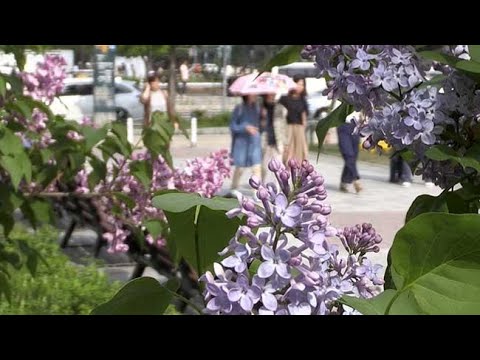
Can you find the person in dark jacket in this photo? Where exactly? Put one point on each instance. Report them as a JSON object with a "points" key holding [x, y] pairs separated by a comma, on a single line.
{"points": [[400, 171], [349, 147]]}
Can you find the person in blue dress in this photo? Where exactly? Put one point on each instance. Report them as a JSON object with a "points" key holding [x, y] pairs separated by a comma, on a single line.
{"points": [[246, 144]]}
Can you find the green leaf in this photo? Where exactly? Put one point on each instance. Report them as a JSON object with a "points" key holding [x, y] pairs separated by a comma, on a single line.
{"points": [[22, 107], [437, 260], [9, 200], [289, 54], [127, 200], [437, 81], [154, 227], [180, 202], [10, 257], [469, 66], [214, 231], [111, 147], [199, 228], [7, 221], [374, 306], [253, 268], [181, 240], [424, 204], [33, 256], [5, 287], [10, 144], [143, 171], [99, 171], [46, 155], [157, 138], [120, 131], [335, 118], [474, 51], [15, 83], [42, 209], [93, 136], [32, 104], [457, 204], [17, 167], [3, 86], [38, 211], [439, 57], [143, 296], [443, 152]]}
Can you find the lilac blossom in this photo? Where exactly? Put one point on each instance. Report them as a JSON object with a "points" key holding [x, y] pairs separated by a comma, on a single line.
{"points": [[271, 275]]}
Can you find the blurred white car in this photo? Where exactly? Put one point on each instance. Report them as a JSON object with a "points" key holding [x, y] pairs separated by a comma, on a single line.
{"points": [[76, 100]]}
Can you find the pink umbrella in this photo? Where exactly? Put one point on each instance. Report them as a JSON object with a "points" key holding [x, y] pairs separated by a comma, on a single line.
{"points": [[265, 83]]}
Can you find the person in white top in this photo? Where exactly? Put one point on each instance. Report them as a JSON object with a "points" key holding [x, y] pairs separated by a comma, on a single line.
{"points": [[153, 98], [184, 74]]}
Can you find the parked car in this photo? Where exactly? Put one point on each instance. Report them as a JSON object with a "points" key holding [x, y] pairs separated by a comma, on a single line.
{"points": [[76, 100]]}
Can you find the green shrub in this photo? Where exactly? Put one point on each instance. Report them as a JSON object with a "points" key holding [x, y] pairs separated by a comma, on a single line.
{"points": [[219, 120], [61, 288]]}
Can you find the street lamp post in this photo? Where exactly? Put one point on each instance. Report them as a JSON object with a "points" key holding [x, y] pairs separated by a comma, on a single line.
{"points": [[227, 49]]}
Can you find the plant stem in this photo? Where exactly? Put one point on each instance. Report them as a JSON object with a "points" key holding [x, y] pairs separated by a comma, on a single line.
{"points": [[395, 297], [184, 299]]}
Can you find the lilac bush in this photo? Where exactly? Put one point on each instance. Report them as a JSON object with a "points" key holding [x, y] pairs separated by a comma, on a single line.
{"points": [[43, 85], [198, 176], [204, 175], [282, 261], [385, 82]]}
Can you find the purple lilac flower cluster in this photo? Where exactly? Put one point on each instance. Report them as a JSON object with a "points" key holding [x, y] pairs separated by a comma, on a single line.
{"points": [[384, 81], [204, 175], [281, 262]]}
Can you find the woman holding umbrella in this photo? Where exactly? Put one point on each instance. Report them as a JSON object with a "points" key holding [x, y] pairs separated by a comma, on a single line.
{"points": [[246, 145], [245, 123]]}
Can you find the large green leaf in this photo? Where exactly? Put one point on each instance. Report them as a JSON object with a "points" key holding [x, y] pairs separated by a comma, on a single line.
{"points": [[335, 118], [180, 202], [439, 57], [215, 230], [142, 296], [182, 240], [289, 54], [424, 204], [199, 228], [376, 306], [443, 152], [436, 262]]}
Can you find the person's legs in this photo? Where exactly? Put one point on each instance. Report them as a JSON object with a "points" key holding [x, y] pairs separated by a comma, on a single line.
{"points": [[257, 170], [405, 172], [237, 174]]}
